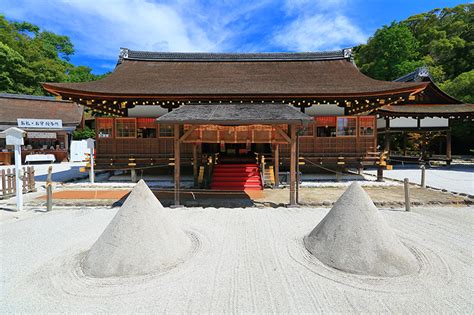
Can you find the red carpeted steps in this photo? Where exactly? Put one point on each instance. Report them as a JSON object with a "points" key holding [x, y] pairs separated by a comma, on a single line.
{"points": [[236, 177]]}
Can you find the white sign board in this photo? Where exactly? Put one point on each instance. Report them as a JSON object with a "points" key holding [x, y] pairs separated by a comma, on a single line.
{"points": [[78, 150], [41, 135], [14, 136], [40, 123], [90, 143]]}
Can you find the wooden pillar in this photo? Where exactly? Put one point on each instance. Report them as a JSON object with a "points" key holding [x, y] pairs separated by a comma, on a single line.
{"points": [[177, 165], [405, 142], [387, 135], [292, 165], [448, 143], [276, 161], [195, 164]]}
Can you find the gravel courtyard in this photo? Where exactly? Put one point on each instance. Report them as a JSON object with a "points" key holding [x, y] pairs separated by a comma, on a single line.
{"points": [[244, 260]]}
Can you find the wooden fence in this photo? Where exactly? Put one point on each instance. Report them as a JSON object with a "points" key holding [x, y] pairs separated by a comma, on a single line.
{"points": [[7, 177]]}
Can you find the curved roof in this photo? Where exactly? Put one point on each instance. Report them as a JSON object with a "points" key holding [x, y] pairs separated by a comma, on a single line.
{"points": [[433, 110], [151, 74]]}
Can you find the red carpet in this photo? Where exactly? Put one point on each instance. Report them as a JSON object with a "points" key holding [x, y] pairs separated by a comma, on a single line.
{"points": [[236, 177]]}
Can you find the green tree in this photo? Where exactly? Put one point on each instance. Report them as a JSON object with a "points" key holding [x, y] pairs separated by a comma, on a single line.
{"points": [[461, 87], [85, 133], [29, 56], [390, 53], [447, 37]]}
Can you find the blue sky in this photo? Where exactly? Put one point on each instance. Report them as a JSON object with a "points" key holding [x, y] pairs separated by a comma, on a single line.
{"points": [[98, 28]]}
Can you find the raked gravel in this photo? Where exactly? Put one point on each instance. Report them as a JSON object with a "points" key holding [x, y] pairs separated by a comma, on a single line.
{"points": [[247, 260]]}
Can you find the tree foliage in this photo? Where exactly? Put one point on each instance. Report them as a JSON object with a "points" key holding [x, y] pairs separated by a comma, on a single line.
{"points": [[84, 133], [390, 53], [29, 56], [442, 39]]}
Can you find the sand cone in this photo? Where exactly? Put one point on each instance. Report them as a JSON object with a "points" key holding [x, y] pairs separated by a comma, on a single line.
{"points": [[139, 240], [354, 237]]}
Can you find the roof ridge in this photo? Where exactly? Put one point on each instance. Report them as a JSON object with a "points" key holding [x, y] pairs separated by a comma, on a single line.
{"points": [[127, 54]]}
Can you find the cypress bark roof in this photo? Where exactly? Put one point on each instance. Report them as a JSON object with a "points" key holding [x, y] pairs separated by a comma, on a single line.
{"points": [[235, 114], [330, 74], [436, 110], [14, 106]]}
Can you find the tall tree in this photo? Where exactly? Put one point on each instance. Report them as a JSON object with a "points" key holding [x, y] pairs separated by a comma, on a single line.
{"points": [[446, 38], [390, 53], [29, 56]]}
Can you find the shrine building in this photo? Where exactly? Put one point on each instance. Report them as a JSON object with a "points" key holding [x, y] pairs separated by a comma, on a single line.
{"points": [[242, 118]]}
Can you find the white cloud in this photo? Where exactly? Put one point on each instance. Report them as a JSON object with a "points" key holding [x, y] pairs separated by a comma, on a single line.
{"points": [[292, 5], [99, 28], [319, 32], [317, 25]]}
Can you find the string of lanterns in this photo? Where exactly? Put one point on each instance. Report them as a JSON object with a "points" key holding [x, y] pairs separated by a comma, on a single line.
{"points": [[117, 108]]}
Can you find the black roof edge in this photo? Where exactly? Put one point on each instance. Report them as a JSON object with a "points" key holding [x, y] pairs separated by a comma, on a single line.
{"points": [[32, 97], [127, 54], [419, 75]]}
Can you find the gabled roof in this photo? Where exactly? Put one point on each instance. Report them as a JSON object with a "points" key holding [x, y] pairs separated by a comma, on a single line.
{"points": [[214, 75], [235, 114], [14, 106]]}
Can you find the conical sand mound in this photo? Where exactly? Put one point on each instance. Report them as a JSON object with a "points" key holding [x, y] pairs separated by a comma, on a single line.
{"points": [[139, 240], [354, 237]]}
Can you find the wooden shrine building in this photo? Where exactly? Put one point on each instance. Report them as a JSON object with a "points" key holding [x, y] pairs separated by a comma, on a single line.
{"points": [[432, 111], [210, 108]]}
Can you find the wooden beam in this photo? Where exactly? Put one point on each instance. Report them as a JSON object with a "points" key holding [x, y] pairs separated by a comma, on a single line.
{"points": [[387, 135], [177, 168], [448, 143], [283, 134], [276, 161], [292, 165], [187, 133], [195, 165]]}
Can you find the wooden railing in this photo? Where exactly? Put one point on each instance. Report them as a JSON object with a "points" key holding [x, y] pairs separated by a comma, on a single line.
{"points": [[7, 180]]}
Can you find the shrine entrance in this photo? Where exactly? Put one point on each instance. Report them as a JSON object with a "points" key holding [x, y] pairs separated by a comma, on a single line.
{"points": [[241, 126]]}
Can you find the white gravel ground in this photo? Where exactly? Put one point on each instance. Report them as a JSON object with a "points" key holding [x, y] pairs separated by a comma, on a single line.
{"points": [[454, 178], [247, 260]]}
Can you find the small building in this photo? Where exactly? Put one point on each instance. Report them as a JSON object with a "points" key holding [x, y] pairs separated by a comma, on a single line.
{"points": [[431, 110], [48, 123]]}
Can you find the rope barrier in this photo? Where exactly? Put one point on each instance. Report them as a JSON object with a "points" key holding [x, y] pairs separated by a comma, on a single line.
{"points": [[327, 169]]}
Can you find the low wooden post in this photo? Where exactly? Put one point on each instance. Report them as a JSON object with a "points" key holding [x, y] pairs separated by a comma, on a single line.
{"points": [[133, 175], [380, 173], [407, 194], [49, 190], [423, 169], [11, 180], [24, 181], [33, 182]]}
